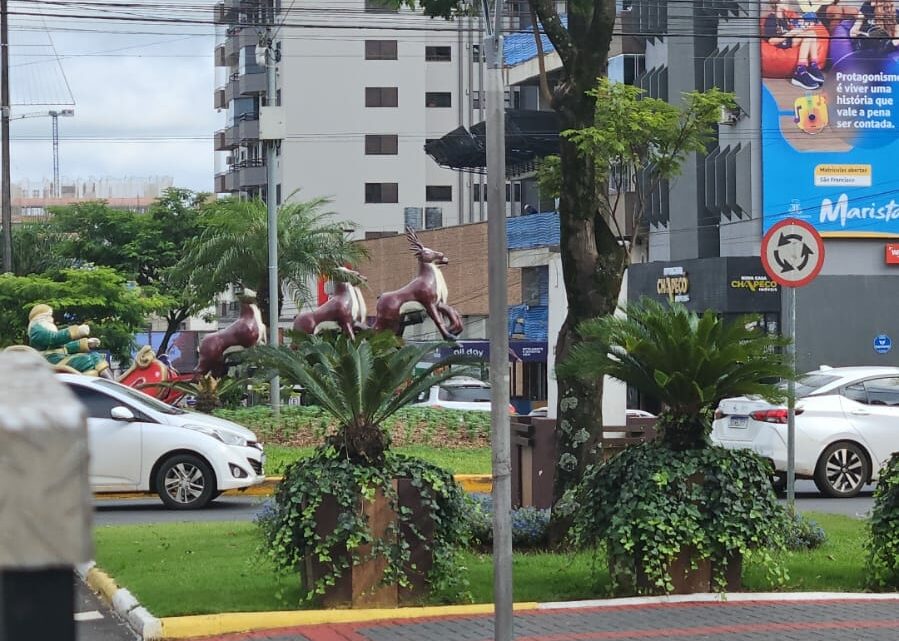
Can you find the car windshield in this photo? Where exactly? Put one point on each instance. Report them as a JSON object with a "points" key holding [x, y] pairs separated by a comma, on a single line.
{"points": [[472, 394], [140, 398]]}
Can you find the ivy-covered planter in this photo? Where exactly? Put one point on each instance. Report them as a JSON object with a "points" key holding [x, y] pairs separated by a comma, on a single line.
{"points": [[367, 536], [362, 584], [679, 522]]}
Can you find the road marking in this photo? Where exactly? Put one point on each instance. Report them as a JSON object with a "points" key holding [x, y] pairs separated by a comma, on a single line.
{"points": [[92, 615]]}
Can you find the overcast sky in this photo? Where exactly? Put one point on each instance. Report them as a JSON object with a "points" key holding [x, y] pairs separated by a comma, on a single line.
{"points": [[142, 101]]}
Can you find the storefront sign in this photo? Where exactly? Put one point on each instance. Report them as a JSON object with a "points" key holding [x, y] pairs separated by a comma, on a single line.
{"points": [[829, 152], [892, 254], [883, 344], [524, 351], [674, 284], [755, 283]]}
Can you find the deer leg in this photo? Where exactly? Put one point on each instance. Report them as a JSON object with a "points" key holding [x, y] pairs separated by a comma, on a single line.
{"points": [[455, 321], [431, 309], [346, 326]]}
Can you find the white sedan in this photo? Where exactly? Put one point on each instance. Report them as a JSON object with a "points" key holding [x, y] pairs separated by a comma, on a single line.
{"points": [[847, 427], [138, 443], [459, 393]]}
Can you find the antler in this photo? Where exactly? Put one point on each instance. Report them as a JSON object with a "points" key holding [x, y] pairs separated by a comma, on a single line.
{"points": [[416, 246]]}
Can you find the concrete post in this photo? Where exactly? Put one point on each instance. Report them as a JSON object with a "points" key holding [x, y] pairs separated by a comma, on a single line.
{"points": [[45, 500]]}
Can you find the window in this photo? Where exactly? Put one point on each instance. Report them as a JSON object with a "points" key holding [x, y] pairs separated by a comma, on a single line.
{"points": [[513, 189], [278, 194], [98, 405], [380, 50], [382, 193], [438, 99], [883, 391], [476, 192], [381, 145], [476, 53], [471, 394], [381, 96], [438, 193], [439, 54], [412, 217], [433, 217], [379, 6], [475, 99], [856, 392]]}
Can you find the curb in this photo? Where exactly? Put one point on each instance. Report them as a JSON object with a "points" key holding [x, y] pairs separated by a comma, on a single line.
{"points": [[471, 483], [121, 601]]}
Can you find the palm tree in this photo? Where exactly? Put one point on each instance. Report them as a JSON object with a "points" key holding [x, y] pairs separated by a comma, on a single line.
{"points": [[688, 362], [232, 249], [360, 382]]}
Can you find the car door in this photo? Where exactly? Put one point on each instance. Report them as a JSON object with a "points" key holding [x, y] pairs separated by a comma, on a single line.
{"points": [[873, 409], [115, 445]]}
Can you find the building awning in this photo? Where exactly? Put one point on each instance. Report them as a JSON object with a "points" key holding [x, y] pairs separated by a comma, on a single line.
{"points": [[530, 136]]}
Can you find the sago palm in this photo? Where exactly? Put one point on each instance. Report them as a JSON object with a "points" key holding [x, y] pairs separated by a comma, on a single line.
{"points": [[359, 382], [233, 247], [687, 361]]}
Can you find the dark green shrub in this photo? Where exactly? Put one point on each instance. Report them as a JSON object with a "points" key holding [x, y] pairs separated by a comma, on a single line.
{"points": [[883, 544]]}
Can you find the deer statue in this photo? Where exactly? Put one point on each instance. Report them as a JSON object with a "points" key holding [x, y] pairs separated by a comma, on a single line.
{"points": [[246, 331], [344, 310], [427, 292]]}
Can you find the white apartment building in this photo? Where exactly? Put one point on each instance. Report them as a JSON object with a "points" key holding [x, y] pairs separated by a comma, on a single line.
{"points": [[363, 89]]}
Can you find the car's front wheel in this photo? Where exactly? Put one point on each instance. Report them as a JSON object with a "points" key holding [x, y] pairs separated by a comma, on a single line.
{"points": [[185, 482], [842, 470]]}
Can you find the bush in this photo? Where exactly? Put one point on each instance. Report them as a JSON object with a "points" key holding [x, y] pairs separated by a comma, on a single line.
{"points": [[804, 533], [529, 524], [649, 503], [883, 544]]}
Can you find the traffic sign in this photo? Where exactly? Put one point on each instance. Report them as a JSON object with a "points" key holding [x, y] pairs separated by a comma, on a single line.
{"points": [[883, 344], [792, 253]]}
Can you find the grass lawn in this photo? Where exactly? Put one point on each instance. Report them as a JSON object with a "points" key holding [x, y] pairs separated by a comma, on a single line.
{"points": [[200, 568], [472, 460]]}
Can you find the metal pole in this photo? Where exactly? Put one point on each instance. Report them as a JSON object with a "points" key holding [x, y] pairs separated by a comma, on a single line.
{"points": [[6, 196], [791, 403], [274, 283], [57, 191], [497, 251]]}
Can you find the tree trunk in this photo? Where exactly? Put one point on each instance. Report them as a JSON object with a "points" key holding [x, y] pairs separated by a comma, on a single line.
{"points": [[173, 323], [362, 444], [593, 265]]}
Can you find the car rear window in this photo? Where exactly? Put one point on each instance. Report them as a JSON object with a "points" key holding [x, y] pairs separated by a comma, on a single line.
{"points": [[808, 384], [474, 394]]}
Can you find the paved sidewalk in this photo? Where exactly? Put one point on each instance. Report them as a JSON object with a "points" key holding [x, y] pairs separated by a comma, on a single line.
{"points": [[782, 620]]}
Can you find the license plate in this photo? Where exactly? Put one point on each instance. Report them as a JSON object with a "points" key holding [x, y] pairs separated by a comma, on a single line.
{"points": [[739, 422]]}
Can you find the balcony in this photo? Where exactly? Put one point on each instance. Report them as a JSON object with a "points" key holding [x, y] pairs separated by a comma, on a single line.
{"points": [[245, 84], [250, 173], [225, 139], [238, 38], [219, 56], [247, 128], [226, 182], [220, 99]]}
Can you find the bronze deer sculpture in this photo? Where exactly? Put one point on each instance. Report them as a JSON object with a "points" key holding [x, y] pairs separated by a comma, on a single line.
{"points": [[246, 331], [345, 310], [427, 291]]}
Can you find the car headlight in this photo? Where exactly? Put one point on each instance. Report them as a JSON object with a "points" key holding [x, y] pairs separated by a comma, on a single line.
{"points": [[228, 438]]}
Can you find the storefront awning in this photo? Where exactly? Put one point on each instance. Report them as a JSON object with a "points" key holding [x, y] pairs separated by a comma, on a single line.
{"points": [[530, 136], [519, 351]]}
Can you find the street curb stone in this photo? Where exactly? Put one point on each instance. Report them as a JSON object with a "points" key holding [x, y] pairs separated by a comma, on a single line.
{"points": [[121, 601]]}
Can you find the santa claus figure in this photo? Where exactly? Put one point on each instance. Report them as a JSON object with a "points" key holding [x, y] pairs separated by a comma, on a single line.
{"points": [[69, 346]]}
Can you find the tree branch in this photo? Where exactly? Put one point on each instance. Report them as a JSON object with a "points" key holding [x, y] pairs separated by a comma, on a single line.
{"points": [[541, 62], [555, 30]]}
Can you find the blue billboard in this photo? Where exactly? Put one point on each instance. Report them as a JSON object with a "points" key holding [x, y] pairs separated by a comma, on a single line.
{"points": [[830, 128]]}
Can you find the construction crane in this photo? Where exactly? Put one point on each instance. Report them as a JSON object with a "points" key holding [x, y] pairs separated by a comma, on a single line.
{"points": [[54, 114]]}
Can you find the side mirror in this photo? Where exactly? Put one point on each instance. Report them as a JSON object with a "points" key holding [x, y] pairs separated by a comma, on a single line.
{"points": [[121, 413]]}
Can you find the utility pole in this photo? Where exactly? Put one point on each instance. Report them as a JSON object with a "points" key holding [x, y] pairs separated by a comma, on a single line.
{"points": [[497, 252], [274, 283], [6, 195], [56, 190]]}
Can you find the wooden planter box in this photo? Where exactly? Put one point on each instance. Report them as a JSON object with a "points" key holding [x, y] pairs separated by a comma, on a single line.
{"points": [[361, 586]]}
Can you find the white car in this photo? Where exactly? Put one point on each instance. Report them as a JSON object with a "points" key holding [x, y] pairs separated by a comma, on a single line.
{"points": [[459, 393], [138, 443], [847, 427]]}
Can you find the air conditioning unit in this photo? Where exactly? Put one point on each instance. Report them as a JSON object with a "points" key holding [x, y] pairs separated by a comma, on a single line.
{"points": [[729, 116]]}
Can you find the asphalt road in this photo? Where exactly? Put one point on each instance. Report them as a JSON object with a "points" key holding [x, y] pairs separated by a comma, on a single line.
{"points": [[94, 621], [226, 508]]}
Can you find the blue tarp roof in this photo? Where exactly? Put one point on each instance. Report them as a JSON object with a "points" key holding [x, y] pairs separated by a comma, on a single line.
{"points": [[520, 46], [533, 230]]}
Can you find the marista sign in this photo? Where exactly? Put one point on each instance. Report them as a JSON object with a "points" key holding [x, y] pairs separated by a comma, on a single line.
{"points": [[830, 131]]}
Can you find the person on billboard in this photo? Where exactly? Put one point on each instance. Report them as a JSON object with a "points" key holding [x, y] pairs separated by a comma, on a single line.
{"points": [[876, 26], [795, 41]]}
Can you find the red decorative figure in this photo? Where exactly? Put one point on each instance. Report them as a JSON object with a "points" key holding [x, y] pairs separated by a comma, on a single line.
{"points": [[427, 292]]}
